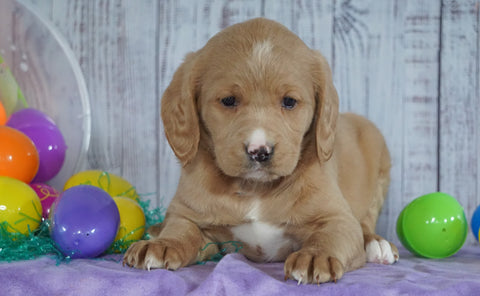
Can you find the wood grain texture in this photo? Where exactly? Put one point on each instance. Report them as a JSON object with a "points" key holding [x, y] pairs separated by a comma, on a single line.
{"points": [[119, 66], [385, 67], [412, 67], [460, 103], [312, 21]]}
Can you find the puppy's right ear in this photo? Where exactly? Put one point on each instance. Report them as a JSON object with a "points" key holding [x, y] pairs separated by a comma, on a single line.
{"points": [[179, 112]]}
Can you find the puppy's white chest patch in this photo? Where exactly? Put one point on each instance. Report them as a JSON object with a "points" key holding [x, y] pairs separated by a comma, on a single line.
{"points": [[259, 234], [256, 233]]}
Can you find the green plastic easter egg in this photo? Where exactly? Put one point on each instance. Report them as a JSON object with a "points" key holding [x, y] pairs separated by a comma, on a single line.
{"points": [[433, 226], [11, 96]]}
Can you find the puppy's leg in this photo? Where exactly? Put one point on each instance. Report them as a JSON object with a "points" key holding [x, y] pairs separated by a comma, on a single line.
{"points": [[176, 244], [378, 249], [333, 249]]}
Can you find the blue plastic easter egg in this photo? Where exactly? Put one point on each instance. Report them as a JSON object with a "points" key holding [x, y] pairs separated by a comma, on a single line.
{"points": [[85, 221], [475, 223]]}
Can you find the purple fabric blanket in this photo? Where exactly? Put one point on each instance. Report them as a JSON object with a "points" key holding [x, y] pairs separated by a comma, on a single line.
{"points": [[235, 275]]}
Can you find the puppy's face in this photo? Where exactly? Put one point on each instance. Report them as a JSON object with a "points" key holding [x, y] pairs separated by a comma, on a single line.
{"points": [[256, 106], [250, 98]]}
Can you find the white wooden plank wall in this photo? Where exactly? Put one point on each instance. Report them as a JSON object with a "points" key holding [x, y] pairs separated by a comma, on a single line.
{"points": [[413, 67]]}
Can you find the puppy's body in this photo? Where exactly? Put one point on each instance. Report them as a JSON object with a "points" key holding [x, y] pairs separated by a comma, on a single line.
{"points": [[267, 161]]}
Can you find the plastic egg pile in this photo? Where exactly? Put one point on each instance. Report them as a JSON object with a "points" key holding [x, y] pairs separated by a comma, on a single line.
{"points": [[95, 209], [32, 152]]}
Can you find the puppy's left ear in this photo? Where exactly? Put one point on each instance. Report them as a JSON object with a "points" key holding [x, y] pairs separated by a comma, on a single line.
{"points": [[327, 107]]}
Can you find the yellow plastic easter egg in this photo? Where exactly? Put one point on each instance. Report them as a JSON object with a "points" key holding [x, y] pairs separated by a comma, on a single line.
{"points": [[111, 183], [20, 206], [132, 219]]}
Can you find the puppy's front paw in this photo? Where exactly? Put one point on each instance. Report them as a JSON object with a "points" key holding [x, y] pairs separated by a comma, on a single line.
{"points": [[148, 254], [381, 251], [306, 267]]}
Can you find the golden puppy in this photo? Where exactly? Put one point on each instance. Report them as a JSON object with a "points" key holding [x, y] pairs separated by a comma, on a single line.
{"points": [[267, 161]]}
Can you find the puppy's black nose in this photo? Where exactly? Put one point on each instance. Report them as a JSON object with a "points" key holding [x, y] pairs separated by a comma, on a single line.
{"points": [[260, 154]]}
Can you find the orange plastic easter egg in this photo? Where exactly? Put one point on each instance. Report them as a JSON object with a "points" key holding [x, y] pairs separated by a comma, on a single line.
{"points": [[3, 115], [18, 156]]}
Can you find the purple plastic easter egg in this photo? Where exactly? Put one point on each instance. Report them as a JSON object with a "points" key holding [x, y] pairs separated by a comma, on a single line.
{"points": [[51, 149], [47, 195], [27, 117], [85, 221]]}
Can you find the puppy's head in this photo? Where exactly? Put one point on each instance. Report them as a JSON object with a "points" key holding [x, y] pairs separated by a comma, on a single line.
{"points": [[255, 96]]}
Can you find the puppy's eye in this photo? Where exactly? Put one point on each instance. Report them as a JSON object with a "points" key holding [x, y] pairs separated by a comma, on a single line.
{"points": [[289, 103], [229, 102]]}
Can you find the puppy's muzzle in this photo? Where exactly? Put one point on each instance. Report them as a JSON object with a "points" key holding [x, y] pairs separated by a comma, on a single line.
{"points": [[260, 153]]}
